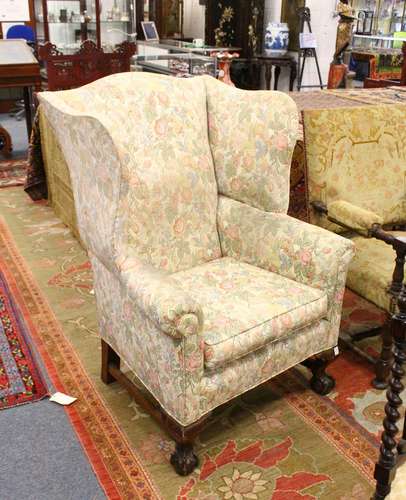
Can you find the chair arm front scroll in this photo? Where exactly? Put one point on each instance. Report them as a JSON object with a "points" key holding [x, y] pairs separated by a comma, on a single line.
{"points": [[353, 217], [170, 308]]}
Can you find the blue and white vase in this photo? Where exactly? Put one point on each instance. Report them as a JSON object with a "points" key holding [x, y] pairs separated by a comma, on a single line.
{"points": [[276, 39]]}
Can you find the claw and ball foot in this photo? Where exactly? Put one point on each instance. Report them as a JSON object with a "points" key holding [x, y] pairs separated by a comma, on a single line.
{"points": [[183, 460], [321, 382]]}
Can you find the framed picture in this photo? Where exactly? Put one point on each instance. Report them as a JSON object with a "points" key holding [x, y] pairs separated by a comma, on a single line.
{"points": [[150, 31]]}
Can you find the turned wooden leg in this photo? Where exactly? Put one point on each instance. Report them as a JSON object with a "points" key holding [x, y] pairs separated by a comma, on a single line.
{"points": [[386, 467], [322, 383], [383, 364], [277, 75], [109, 357]]}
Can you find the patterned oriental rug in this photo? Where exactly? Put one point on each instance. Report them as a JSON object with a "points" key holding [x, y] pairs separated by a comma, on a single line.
{"points": [[281, 442], [13, 172], [20, 378]]}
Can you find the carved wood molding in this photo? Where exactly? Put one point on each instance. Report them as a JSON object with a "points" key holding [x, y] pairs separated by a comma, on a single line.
{"points": [[88, 64]]}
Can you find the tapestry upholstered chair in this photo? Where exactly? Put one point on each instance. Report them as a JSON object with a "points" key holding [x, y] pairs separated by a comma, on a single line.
{"points": [[356, 173], [204, 286]]}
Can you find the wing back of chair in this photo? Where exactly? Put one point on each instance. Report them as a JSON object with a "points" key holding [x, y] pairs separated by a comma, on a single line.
{"points": [[141, 167], [252, 136], [357, 155]]}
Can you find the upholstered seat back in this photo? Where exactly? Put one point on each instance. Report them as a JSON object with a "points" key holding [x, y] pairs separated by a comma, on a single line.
{"points": [[252, 136], [358, 155], [149, 181]]}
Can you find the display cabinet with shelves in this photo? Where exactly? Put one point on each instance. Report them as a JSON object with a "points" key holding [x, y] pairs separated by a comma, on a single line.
{"points": [[68, 23], [380, 17]]}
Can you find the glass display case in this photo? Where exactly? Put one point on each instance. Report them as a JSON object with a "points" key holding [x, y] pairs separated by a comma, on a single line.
{"points": [[380, 17], [180, 64], [68, 23]]}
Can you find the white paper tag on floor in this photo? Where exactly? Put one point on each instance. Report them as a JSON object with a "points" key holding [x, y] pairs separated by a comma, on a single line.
{"points": [[62, 399], [336, 350]]}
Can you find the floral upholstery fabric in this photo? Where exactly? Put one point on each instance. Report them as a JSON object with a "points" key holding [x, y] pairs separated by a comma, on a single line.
{"points": [[165, 213], [370, 272], [203, 297], [252, 137], [358, 155], [353, 217], [156, 293], [245, 307]]}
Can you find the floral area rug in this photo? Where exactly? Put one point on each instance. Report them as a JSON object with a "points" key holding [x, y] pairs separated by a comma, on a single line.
{"points": [[280, 442], [20, 378], [13, 173]]}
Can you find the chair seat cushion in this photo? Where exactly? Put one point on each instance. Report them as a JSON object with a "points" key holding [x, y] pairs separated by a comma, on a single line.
{"points": [[246, 307], [370, 271]]}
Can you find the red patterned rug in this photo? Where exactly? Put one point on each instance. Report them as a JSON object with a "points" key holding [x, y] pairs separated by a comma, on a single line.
{"points": [[13, 172], [20, 379]]}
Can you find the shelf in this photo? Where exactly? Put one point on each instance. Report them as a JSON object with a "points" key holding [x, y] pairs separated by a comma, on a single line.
{"points": [[78, 23], [381, 37]]}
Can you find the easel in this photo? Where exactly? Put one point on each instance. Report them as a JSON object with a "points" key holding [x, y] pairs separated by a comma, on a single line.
{"points": [[304, 16]]}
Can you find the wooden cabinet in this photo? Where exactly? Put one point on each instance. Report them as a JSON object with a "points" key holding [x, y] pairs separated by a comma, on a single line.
{"points": [[236, 23]]}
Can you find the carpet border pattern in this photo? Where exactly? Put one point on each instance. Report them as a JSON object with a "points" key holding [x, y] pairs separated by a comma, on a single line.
{"points": [[117, 467]]}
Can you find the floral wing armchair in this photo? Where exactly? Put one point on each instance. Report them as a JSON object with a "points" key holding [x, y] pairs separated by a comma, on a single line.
{"points": [[204, 286], [356, 169]]}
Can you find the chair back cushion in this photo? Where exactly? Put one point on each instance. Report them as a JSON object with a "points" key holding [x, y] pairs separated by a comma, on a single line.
{"points": [[252, 136], [358, 155], [167, 196]]}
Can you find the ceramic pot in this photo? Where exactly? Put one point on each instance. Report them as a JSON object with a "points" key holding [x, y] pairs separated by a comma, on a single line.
{"points": [[276, 39]]}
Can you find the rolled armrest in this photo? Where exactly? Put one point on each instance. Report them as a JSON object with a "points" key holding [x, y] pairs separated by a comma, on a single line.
{"points": [[353, 217], [170, 308]]}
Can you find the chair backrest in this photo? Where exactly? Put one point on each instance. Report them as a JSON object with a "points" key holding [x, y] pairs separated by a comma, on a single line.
{"points": [[357, 155], [141, 161], [21, 31], [141, 167]]}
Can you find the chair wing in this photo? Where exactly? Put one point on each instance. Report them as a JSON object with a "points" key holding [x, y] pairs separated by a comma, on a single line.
{"points": [[95, 177], [252, 136], [152, 159]]}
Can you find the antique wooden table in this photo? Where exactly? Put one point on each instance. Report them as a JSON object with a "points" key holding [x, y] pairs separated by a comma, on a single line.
{"points": [[279, 62], [20, 68]]}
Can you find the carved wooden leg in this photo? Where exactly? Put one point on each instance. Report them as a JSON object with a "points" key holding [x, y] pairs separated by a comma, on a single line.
{"points": [[293, 74], [109, 357], [277, 74], [383, 364], [321, 382], [386, 467], [183, 460]]}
